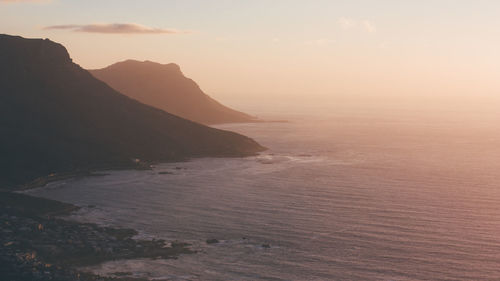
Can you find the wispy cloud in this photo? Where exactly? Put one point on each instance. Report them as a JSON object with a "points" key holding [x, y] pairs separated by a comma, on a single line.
{"points": [[319, 42], [115, 28], [25, 1], [348, 23], [384, 45], [368, 26]]}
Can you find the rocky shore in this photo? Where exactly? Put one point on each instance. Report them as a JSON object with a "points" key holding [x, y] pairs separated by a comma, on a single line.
{"points": [[37, 244]]}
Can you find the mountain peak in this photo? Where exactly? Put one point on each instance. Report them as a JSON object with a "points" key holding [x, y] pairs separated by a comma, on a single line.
{"points": [[165, 86], [57, 118], [144, 64], [34, 50]]}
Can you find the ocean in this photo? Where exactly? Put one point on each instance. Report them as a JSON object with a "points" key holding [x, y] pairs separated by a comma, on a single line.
{"points": [[343, 193]]}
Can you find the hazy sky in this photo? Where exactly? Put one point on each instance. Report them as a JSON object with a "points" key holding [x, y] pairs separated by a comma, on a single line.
{"points": [[307, 49]]}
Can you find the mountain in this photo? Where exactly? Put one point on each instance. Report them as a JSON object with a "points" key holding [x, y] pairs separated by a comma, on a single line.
{"points": [[165, 87], [55, 117]]}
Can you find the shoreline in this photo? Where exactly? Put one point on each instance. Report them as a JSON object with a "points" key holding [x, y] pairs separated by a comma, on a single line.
{"points": [[45, 180], [38, 243], [137, 165]]}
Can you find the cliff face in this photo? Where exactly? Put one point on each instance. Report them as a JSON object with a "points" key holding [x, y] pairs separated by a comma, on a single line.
{"points": [[165, 87], [56, 117]]}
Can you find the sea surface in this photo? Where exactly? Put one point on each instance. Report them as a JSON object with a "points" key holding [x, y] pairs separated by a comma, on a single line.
{"points": [[344, 193]]}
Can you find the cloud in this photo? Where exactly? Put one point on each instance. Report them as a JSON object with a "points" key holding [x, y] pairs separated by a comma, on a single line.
{"points": [[384, 45], [115, 28], [319, 42], [348, 23], [25, 1], [370, 27]]}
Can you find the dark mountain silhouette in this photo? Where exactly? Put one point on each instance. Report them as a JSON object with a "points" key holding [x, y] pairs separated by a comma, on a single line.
{"points": [[55, 117], [165, 87]]}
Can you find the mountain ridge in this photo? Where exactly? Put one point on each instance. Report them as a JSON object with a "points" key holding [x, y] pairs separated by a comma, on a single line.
{"points": [[57, 118], [165, 86]]}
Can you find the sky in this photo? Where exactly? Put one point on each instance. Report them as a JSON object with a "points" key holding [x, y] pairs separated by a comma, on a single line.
{"points": [[305, 50]]}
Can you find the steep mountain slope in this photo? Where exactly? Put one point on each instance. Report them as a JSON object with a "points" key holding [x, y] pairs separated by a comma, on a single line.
{"points": [[165, 87], [56, 117]]}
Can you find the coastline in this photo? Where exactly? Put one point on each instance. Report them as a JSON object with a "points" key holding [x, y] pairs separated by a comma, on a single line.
{"points": [[44, 180], [137, 164], [38, 243]]}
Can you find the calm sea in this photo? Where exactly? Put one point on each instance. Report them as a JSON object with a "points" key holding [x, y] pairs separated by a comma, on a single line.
{"points": [[343, 193]]}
